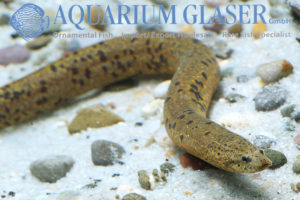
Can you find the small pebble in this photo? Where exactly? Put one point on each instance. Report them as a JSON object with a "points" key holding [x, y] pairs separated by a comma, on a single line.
{"points": [[14, 54], [39, 42], [167, 167], [214, 3], [219, 47], [164, 3], [144, 180], [93, 117], [296, 166], [278, 159], [52, 168], [6, 2], [298, 186], [188, 160], [263, 142], [276, 2], [106, 153], [139, 123], [111, 105], [92, 185], [234, 97], [52, 27], [242, 79], [97, 15], [151, 26], [163, 176], [11, 193], [288, 124], [272, 72], [188, 192], [236, 29], [227, 72], [258, 29], [187, 29], [4, 19], [297, 140], [150, 141], [270, 98], [278, 12], [155, 175], [296, 114], [160, 91], [288, 110], [295, 6], [72, 45], [68, 195], [133, 196], [155, 107], [216, 26]]}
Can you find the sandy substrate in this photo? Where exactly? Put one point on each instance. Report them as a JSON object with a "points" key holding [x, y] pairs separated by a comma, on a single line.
{"points": [[48, 135]]}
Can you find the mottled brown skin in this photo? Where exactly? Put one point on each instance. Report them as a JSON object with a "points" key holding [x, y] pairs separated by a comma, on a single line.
{"points": [[195, 80]]}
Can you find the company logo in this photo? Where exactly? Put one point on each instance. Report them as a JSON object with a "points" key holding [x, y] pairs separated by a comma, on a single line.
{"points": [[29, 21]]}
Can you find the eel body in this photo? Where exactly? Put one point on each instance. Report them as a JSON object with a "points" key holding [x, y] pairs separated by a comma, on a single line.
{"points": [[196, 76]]}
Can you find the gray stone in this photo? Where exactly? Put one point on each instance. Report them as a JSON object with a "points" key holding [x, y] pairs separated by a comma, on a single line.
{"points": [[234, 97], [278, 11], [288, 124], [52, 168], [73, 45], [219, 47], [151, 26], [276, 2], [68, 195], [164, 3], [242, 79], [295, 6], [296, 166], [144, 180], [133, 196], [227, 72], [52, 27], [270, 98], [278, 159], [105, 152], [291, 111], [14, 54], [4, 19], [288, 110], [167, 167], [296, 114], [39, 42], [263, 142]]}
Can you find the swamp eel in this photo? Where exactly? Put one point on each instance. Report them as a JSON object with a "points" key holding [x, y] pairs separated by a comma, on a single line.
{"points": [[195, 78]]}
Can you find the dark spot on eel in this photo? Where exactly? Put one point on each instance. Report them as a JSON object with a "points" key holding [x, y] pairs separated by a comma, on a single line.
{"points": [[53, 68], [204, 75], [189, 122], [207, 133], [181, 137]]}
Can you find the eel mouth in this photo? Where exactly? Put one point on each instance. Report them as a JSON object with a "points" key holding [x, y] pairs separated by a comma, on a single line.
{"points": [[266, 163]]}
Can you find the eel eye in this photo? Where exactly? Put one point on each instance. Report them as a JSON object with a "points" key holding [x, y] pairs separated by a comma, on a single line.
{"points": [[246, 159]]}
